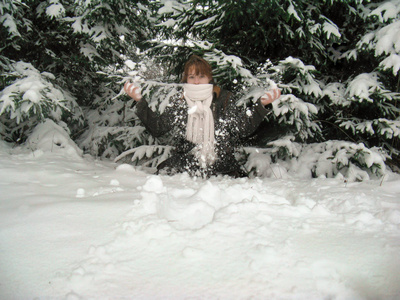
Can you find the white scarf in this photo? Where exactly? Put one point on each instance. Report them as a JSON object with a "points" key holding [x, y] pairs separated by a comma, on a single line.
{"points": [[200, 126]]}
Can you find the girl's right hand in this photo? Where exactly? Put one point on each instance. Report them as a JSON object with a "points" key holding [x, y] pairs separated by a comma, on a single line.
{"points": [[132, 91]]}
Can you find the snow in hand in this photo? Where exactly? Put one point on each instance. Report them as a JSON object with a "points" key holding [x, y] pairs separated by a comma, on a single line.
{"points": [[76, 228]]}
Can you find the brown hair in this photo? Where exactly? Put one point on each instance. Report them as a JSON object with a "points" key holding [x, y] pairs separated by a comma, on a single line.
{"points": [[201, 66]]}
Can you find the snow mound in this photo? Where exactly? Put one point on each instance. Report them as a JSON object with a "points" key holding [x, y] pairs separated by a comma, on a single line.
{"points": [[185, 212], [154, 184], [125, 168], [50, 137], [79, 228]]}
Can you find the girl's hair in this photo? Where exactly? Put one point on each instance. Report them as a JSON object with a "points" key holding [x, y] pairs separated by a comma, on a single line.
{"points": [[201, 66]]}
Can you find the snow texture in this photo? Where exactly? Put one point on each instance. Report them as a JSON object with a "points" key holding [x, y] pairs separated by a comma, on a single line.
{"points": [[76, 228]]}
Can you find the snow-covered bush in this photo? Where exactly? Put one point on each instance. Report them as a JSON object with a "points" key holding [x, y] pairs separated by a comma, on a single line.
{"points": [[370, 110], [31, 97], [338, 75], [383, 40], [113, 127], [145, 155], [12, 21], [50, 137], [354, 162], [230, 71], [324, 65], [296, 109], [366, 111], [299, 78]]}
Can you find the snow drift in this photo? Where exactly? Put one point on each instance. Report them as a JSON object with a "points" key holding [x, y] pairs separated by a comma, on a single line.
{"points": [[76, 228]]}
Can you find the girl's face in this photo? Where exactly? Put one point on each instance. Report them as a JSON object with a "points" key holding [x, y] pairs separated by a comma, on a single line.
{"points": [[199, 78]]}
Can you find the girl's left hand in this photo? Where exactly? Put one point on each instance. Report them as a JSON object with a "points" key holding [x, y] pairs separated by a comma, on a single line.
{"points": [[132, 90], [270, 96]]}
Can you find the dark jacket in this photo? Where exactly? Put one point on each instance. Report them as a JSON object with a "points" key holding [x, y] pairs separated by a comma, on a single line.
{"points": [[232, 123]]}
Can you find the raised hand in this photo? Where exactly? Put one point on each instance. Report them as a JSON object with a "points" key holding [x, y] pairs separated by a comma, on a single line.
{"points": [[132, 91], [270, 96]]}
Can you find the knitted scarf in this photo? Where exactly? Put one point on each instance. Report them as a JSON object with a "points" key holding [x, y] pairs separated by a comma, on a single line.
{"points": [[200, 125]]}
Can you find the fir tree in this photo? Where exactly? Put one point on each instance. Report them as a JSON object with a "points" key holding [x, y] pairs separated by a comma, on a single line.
{"points": [[340, 56], [337, 63], [75, 41]]}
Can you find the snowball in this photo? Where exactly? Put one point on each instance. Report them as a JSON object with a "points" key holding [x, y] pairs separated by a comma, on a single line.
{"points": [[153, 184], [125, 168]]}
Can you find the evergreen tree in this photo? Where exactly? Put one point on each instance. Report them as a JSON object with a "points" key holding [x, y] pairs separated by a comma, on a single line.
{"points": [[336, 61], [72, 40], [342, 57]]}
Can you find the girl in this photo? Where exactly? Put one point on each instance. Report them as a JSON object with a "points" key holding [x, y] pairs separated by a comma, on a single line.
{"points": [[206, 123]]}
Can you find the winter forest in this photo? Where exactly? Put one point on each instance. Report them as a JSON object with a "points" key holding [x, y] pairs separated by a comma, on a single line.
{"points": [[75, 157]]}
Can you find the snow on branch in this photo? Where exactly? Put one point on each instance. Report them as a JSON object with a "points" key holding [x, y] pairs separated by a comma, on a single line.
{"points": [[387, 10], [33, 94], [331, 159], [304, 79], [55, 10], [391, 62], [363, 86], [330, 29], [8, 22], [149, 155], [230, 66]]}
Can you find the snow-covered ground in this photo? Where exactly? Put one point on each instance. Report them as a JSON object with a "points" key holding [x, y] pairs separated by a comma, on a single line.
{"points": [[78, 228]]}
